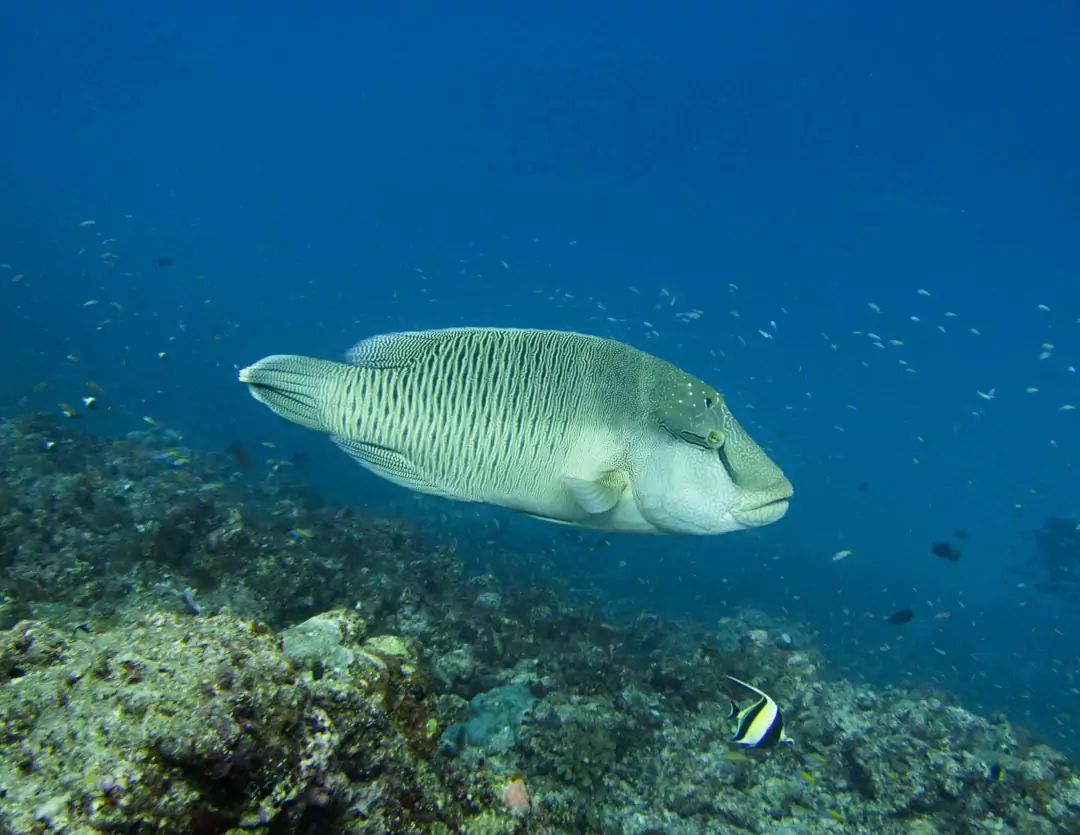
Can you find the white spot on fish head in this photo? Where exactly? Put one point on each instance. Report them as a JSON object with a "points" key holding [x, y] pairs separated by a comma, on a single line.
{"points": [[697, 470]]}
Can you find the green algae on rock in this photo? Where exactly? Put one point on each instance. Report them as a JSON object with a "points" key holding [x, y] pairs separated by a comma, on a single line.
{"points": [[179, 724]]}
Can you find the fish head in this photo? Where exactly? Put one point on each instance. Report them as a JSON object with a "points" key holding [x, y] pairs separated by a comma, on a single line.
{"points": [[703, 474]]}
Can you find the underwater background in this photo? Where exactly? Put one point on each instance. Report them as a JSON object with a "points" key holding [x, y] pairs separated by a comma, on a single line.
{"points": [[858, 221]]}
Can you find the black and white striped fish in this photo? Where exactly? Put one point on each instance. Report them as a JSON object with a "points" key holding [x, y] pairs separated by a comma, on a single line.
{"points": [[761, 724]]}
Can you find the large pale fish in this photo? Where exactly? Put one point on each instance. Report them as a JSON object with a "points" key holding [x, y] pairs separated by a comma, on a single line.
{"points": [[558, 425]]}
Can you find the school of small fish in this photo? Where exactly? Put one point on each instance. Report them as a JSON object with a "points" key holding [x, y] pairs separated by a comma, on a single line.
{"points": [[902, 339]]}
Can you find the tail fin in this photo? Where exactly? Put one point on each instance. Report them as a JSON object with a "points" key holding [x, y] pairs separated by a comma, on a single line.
{"points": [[291, 386]]}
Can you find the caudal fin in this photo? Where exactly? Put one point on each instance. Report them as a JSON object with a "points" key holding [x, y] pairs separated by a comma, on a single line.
{"points": [[291, 386]]}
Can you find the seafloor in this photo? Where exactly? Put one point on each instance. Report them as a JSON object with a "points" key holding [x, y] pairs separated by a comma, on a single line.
{"points": [[336, 673]]}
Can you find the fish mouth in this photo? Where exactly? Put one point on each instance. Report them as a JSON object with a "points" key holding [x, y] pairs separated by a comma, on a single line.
{"points": [[766, 514], [770, 507]]}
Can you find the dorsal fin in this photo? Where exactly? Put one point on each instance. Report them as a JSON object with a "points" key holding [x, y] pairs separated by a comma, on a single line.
{"points": [[392, 350], [761, 693]]}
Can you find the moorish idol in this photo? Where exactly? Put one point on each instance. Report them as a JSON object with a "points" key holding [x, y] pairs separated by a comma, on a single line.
{"points": [[761, 725]]}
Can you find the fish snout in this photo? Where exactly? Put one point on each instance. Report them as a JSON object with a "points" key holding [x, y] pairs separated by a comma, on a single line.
{"points": [[763, 507]]}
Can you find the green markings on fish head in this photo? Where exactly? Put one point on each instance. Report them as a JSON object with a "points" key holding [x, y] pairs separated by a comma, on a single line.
{"points": [[766, 491], [704, 474]]}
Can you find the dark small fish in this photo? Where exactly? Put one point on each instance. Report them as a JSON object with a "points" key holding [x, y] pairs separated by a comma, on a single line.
{"points": [[164, 261], [240, 455], [946, 551], [299, 459], [959, 534], [901, 617], [862, 486]]}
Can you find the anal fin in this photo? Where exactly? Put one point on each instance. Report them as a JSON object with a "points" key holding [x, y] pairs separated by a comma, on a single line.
{"points": [[389, 464]]}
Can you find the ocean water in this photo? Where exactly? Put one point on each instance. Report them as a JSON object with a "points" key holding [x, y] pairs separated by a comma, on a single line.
{"points": [[859, 221]]}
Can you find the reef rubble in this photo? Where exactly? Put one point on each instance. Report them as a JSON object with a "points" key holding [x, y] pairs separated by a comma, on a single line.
{"points": [[186, 651]]}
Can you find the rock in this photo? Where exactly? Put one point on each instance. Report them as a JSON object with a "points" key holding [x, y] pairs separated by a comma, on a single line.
{"points": [[180, 724]]}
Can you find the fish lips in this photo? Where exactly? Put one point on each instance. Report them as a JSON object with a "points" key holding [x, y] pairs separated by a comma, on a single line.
{"points": [[765, 512]]}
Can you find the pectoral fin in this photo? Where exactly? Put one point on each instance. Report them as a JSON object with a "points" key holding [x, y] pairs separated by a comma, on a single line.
{"points": [[601, 494]]}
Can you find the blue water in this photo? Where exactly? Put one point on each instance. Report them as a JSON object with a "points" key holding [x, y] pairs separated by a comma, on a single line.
{"points": [[321, 172]]}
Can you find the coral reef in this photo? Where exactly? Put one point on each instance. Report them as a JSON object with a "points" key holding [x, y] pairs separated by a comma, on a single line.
{"points": [[202, 725], [185, 651]]}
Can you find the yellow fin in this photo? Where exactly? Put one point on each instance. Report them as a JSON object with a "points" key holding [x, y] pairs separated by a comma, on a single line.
{"points": [[601, 494]]}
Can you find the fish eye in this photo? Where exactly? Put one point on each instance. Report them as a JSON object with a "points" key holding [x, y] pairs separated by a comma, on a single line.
{"points": [[715, 439]]}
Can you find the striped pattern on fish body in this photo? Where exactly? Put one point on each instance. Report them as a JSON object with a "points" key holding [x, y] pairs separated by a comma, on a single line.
{"points": [[489, 415], [560, 425]]}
